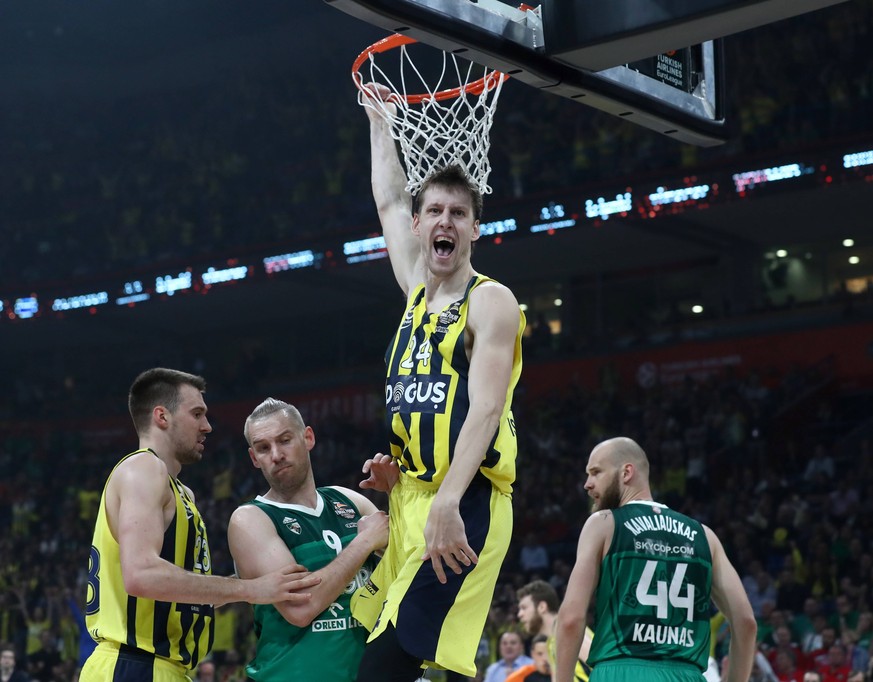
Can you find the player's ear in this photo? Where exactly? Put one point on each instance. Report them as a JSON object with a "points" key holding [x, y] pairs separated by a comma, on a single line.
{"points": [[159, 417], [416, 224], [475, 231], [309, 438], [254, 459]]}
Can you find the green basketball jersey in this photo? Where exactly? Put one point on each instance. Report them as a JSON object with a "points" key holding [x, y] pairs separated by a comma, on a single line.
{"points": [[330, 647], [653, 599]]}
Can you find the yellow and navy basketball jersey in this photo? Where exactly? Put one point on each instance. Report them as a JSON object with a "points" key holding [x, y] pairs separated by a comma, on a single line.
{"points": [[582, 670], [180, 632], [426, 394]]}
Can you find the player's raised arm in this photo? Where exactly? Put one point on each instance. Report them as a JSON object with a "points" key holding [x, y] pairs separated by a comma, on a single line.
{"points": [[393, 201]]}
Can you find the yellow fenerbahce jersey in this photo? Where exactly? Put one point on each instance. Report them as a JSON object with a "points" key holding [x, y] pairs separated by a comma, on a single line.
{"points": [[426, 395], [179, 632], [583, 670]]}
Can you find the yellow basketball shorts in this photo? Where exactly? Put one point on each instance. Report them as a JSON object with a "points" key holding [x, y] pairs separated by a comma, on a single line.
{"points": [[111, 662], [440, 624]]}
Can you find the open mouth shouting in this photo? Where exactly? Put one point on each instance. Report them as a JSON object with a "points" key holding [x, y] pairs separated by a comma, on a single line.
{"points": [[444, 245]]}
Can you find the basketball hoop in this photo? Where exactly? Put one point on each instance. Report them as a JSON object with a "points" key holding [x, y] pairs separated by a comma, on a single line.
{"points": [[448, 123]]}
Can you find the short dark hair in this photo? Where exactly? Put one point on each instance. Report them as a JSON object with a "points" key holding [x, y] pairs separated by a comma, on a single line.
{"points": [[452, 177], [540, 590], [158, 386], [538, 639]]}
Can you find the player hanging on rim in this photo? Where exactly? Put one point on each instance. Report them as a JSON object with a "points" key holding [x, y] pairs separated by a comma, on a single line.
{"points": [[452, 368]]}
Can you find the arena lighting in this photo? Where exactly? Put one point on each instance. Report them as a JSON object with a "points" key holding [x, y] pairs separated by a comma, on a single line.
{"points": [[213, 276], [81, 301], [781, 253], [134, 293], [290, 261], [854, 260], [558, 302], [497, 227], [555, 217], [697, 309], [522, 307], [663, 196], [362, 250], [601, 208], [170, 284], [858, 159], [133, 298], [751, 179], [26, 307], [654, 200]]}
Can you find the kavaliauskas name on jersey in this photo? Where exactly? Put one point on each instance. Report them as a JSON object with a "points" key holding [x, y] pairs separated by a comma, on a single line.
{"points": [[417, 393], [662, 522]]}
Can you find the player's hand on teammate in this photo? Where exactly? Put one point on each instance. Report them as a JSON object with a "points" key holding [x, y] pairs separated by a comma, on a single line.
{"points": [[288, 584], [375, 528], [383, 473], [445, 540]]}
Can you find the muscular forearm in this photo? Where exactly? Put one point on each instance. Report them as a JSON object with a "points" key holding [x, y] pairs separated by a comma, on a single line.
{"points": [[741, 655], [163, 581], [335, 578], [569, 633], [387, 175]]}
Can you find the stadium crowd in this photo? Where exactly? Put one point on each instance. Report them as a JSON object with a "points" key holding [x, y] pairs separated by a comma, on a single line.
{"points": [[794, 514], [235, 167]]}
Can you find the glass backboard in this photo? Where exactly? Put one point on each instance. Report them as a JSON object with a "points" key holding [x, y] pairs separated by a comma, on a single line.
{"points": [[656, 63]]}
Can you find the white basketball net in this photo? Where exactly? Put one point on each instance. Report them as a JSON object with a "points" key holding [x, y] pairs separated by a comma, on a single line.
{"points": [[438, 131]]}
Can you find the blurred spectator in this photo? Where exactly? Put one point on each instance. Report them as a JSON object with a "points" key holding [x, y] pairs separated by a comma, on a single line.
{"points": [[760, 588], [42, 662], [9, 671], [512, 657], [533, 558], [835, 667], [786, 668], [781, 643], [820, 468], [206, 672]]}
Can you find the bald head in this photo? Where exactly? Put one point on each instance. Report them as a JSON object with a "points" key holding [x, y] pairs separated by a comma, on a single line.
{"points": [[618, 471], [619, 451]]}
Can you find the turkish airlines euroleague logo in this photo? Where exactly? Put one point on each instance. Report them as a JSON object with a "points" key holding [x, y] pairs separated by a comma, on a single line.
{"points": [[417, 393]]}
